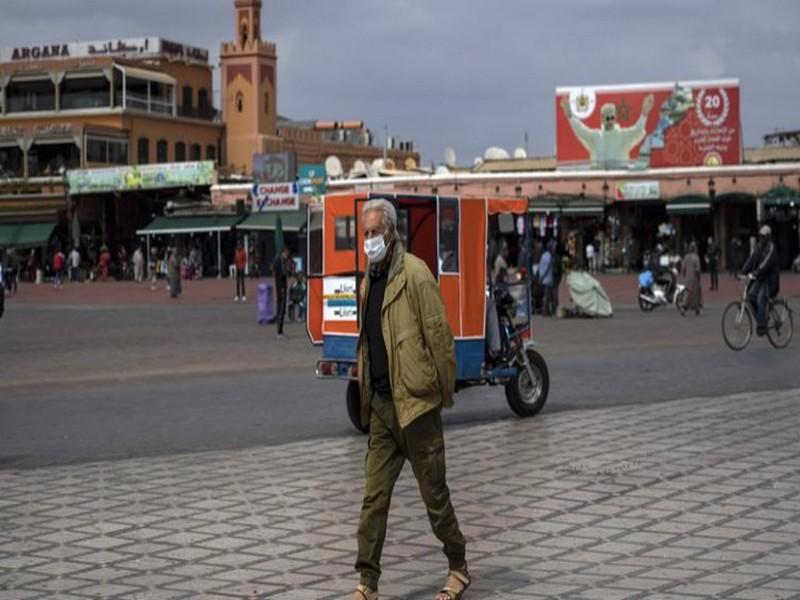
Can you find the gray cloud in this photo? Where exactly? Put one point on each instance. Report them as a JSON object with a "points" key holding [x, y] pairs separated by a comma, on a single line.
{"points": [[466, 73]]}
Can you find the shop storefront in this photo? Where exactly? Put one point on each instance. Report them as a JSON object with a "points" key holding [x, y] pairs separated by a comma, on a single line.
{"points": [[260, 231], [781, 210]]}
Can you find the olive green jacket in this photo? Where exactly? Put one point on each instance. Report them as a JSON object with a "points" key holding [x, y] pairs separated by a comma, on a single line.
{"points": [[419, 344]]}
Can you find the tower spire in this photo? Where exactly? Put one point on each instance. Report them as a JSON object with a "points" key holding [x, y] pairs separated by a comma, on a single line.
{"points": [[248, 21]]}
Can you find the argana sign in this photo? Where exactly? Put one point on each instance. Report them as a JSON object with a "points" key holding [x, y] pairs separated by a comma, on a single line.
{"points": [[119, 48], [644, 126]]}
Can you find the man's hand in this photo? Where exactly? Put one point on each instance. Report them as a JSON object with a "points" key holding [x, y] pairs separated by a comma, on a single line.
{"points": [[647, 105], [566, 108]]}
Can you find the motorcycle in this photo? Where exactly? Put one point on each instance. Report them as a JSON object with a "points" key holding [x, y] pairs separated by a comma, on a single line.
{"points": [[662, 290]]}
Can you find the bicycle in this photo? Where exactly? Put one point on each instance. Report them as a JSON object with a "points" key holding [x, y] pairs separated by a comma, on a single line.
{"points": [[738, 317]]}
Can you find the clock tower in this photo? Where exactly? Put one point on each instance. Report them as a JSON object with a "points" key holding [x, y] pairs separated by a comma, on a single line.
{"points": [[249, 90]]}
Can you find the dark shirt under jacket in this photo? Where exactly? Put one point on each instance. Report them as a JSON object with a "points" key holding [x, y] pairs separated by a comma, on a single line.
{"points": [[378, 359]]}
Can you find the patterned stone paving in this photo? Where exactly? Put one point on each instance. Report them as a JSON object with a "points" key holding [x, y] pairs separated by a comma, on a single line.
{"points": [[697, 498]]}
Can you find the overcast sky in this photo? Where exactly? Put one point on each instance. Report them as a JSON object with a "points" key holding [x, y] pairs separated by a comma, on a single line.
{"points": [[465, 73]]}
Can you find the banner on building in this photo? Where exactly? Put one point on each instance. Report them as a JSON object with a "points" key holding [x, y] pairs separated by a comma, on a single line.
{"points": [[645, 126], [312, 179], [275, 167], [637, 190], [275, 196], [146, 47], [141, 177]]}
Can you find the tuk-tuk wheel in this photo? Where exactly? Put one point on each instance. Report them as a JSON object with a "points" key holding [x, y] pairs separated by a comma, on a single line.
{"points": [[354, 406], [526, 397]]}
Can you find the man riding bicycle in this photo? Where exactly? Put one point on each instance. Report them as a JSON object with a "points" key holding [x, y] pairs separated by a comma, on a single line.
{"points": [[762, 267]]}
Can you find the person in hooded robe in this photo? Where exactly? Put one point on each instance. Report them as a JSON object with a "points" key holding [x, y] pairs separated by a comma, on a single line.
{"points": [[690, 273]]}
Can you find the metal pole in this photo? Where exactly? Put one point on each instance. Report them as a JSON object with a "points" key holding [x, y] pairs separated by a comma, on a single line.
{"points": [[219, 255], [149, 272]]}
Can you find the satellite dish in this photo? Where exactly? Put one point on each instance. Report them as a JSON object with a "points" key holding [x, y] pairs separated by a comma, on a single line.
{"points": [[333, 166], [359, 169], [373, 170], [477, 162], [411, 164], [519, 153], [389, 165], [449, 157], [442, 170], [495, 153]]}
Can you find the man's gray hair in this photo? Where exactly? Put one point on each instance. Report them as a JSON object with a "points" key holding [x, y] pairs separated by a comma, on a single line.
{"points": [[386, 207]]}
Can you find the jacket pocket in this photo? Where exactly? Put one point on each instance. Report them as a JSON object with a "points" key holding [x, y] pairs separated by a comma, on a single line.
{"points": [[417, 371]]}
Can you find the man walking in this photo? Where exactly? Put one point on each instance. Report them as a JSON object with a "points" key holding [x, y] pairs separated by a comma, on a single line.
{"points": [[547, 279], [712, 260], [74, 265], [406, 370], [280, 271], [138, 265], [240, 262]]}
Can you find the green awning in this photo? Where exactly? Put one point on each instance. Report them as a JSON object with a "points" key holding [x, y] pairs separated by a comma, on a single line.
{"points": [[689, 205], [567, 206], [26, 235], [190, 224], [291, 220], [781, 195]]}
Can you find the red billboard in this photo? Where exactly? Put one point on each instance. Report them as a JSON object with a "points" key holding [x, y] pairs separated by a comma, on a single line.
{"points": [[648, 125]]}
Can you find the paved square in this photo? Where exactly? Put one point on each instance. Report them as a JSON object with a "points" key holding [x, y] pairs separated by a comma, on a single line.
{"points": [[685, 499]]}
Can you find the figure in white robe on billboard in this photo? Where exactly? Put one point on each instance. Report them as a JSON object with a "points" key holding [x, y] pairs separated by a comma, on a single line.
{"points": [[609, 146]]}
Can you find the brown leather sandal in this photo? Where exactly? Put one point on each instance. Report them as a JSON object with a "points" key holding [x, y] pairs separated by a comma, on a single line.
{"points": [[455, 586], [362, 592]]}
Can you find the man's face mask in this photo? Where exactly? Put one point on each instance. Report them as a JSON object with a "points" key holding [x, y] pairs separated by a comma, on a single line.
{"points": [[375, 248]]}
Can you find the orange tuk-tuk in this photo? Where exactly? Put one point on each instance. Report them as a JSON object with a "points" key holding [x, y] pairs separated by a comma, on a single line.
{"points": [[455, 236]]}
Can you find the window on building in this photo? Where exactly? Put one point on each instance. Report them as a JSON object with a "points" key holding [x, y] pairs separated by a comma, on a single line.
{"points": [[160, 97], [180, 152], [143, 151], [11, 157], [195, 152], [142, 94], [187, 104], [239, 102], [30, 96], [448, 235], [203, 105], [45, 159], [104, 150], [79, 91], [161, 151], [345, 233], [211, 152]]}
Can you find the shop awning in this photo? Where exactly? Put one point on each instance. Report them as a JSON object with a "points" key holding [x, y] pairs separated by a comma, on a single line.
{"points": [[190, 224], [567, 206], [26, 235], [689, 205], [781, 196], [293, 221]]}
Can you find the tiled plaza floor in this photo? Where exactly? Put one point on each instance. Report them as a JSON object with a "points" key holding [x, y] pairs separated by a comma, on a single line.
{"points": [[683, 499]]}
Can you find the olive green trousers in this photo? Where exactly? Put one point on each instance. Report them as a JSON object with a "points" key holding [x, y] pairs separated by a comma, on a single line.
{"points": [[422, 443]]}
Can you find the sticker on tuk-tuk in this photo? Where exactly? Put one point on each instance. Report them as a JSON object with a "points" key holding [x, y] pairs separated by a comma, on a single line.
{"points": [[339, 299]]}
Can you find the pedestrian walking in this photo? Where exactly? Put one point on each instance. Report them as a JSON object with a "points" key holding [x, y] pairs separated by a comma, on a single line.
{"points": [[547, 280], [240, 264], [33, 265], [138, 265], [591, 258], [403, 324], [154, 267], [690, 273], [75, 265], [11, 270], [105, 263], [297, 299], [712, 260], [173, 273], [58, 269], [281, 269]]}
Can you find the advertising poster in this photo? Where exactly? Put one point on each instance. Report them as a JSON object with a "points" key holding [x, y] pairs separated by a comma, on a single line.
{"points": [[339, 299], [140, 177], [275, 167], [642, 126]]}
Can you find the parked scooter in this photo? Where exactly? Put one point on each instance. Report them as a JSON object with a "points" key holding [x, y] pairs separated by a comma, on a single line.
{"points": [[661, 288]]}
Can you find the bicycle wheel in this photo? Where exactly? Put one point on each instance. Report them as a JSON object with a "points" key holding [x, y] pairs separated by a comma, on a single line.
{"points": [[780, 326], [737, 325]]}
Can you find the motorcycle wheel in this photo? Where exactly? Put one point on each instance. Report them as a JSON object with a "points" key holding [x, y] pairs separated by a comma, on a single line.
{"points": [[645, 305], [353, 398], [526, 397]]}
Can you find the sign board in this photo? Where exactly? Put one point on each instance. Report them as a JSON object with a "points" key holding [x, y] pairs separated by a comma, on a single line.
{"points": [[147, 47], [275, 196], [645, 126], [637, 190], [141, 177], [312, 179], [339, 299], [274, 168]]}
